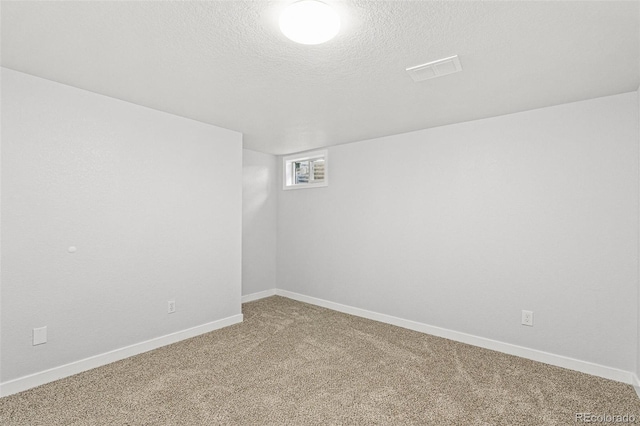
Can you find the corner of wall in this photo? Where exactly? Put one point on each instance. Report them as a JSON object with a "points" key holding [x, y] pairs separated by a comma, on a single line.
{"points": [[259, 218], [637, 383]]}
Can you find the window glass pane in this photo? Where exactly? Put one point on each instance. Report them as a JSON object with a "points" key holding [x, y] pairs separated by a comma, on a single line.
{"points": [[318, 169], [301, 172]]}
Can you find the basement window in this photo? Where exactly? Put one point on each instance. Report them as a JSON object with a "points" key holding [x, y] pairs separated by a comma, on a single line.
{"points": [[305, 170]]}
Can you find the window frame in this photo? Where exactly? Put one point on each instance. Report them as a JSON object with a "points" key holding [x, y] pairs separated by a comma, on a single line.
{"points": [[287, 169]]}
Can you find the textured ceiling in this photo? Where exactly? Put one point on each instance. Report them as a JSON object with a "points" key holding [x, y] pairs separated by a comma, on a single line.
{"points": [[226, 63]]}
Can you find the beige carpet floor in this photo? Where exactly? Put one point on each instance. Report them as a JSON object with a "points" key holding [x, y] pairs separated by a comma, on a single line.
{"points": [[291, 363]]}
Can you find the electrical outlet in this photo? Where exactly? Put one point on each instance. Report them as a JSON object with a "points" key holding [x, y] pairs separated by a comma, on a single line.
{"points": [[171, 306], [39, 336], [527, 318]]}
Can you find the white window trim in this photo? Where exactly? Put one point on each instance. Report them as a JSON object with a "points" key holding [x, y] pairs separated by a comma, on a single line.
{"points": [[303, 156]]}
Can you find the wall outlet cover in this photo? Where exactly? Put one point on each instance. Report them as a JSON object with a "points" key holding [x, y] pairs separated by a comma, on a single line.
{"points": [[39, 336], [527, 318]]}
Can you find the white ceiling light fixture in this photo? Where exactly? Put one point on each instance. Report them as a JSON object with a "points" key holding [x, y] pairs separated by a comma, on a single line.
{"points": [[309, 22]]}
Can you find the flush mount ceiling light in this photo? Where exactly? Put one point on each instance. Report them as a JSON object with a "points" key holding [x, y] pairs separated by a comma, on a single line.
{"points": [[309, 22]]}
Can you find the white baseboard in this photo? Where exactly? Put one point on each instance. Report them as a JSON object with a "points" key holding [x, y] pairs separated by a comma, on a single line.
{"points": [[259, 295], [532, 354], [636, 384], [27, 382]]}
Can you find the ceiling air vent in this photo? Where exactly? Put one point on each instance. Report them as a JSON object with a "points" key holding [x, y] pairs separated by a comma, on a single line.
{"points": [[435, 69]]}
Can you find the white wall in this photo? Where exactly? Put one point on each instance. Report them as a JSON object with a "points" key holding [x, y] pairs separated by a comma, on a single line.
{"points": [[259, 210], [463, 226], [637, 370], [152, 202]]}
